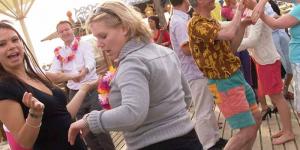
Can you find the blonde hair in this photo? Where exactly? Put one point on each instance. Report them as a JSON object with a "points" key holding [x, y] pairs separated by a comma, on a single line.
{"points": [[115, 13]]}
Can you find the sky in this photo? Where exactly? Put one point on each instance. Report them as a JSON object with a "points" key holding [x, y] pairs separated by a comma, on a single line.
{"points": [[41, 21]]}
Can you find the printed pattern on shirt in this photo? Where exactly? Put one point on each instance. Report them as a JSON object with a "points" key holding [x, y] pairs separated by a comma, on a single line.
{"points": [[213, 57]]}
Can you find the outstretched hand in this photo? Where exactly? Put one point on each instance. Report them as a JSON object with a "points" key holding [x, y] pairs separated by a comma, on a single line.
{"points": [[77, 127], [241, 6], [32, 103], [87, 86], [250, 4], [246, 21], [257, 11]]}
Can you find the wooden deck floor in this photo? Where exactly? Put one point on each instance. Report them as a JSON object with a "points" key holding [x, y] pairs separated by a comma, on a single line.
{"points": [[263, 140]]}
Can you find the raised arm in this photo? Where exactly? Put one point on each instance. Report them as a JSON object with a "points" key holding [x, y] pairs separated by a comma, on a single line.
{"points": [[24, 130], [285, 21], [229, 31], [259, 9], [236, 42], [59, 77], [74, 105]]}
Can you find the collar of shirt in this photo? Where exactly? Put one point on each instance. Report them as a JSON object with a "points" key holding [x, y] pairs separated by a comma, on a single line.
{"points": [[132, 45], [181, 14], [66, 46]]}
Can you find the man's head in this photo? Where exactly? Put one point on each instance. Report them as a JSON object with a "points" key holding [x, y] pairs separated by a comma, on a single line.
{"points": [[208, 5], [184, 4], [176, 2], [65, 31]]}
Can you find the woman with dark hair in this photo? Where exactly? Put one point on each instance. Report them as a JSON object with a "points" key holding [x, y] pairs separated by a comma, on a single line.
{"points": [[34, 112], [160, 36]]}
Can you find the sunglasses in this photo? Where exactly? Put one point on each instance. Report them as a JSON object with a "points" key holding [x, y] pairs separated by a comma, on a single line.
{"points": [[100, 10]]}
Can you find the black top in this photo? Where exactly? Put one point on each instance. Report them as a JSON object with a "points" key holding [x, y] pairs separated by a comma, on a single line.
{"points": [[56, 120]]}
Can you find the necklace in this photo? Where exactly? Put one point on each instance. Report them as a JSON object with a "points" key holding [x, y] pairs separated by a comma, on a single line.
{"points": [[104, 87], [71, 56]]}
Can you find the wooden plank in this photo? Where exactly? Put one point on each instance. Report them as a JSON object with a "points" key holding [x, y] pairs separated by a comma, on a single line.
{"points": [[292, 144], [257, 144], [266, 135], [275, 127], [296, 125], [118, 139], [121, 145]]}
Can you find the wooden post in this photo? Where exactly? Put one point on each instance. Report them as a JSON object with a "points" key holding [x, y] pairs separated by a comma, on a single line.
{"points": [[160, 12]]}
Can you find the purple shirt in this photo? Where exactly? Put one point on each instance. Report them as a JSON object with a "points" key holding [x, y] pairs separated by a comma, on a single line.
{"points": [[179, 36]]}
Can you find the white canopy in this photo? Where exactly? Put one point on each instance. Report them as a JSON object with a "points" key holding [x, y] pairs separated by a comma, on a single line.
{"points": [[18, 9]]}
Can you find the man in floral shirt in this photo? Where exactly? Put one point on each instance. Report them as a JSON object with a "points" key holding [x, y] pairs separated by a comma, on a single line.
{"points": [[213, 48]]}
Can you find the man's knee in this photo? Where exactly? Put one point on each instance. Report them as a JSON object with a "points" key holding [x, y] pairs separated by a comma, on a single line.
{"points": [[249, 132]]}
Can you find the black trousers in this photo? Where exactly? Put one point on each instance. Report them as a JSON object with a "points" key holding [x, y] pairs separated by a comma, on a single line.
{"points": [[188, 141]]}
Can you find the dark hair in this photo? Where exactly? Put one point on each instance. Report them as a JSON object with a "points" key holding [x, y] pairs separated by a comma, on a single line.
{"points": [[32, 68], [63, 22], [176, 2], [275, 7], [156, 20], [190, 12]]}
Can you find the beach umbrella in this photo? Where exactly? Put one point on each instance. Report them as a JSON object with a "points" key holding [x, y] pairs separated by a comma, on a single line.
{"points": [[18, 9]]}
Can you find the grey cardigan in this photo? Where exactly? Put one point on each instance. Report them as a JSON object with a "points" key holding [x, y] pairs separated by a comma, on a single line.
{"points": [[149, 96]]}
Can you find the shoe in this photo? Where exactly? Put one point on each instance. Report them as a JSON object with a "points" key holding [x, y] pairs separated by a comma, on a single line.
{"points": [[266, 113], [275, 110], [220, 144], [288, 95]]}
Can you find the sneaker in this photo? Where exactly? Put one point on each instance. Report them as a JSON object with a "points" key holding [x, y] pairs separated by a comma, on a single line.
{"points": [[220, 144]]}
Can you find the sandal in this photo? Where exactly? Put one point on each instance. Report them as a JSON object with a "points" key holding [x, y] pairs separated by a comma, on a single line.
{"points": [[288, 95], [265, 113]]}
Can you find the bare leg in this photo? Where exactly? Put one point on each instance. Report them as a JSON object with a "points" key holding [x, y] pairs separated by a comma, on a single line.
{"points": [[285, 118], [257, 117], [287, 81], [263, 103], [245, 138]]}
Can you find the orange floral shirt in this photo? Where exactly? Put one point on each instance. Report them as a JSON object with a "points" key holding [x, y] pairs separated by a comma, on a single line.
{"points": [[213, 57]]}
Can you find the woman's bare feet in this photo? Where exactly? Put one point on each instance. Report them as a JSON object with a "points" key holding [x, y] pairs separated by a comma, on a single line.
{"points": [[282, 137], [278, 134]]}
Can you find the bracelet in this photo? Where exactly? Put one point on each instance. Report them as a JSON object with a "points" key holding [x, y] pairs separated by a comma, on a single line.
{"points": [[33, 126], [34, 115]]}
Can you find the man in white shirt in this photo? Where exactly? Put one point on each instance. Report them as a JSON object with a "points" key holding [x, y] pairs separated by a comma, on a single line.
{"points": [[75, 63]]}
